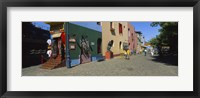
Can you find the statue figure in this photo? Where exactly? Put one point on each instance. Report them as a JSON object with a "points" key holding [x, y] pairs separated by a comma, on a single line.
{"points": [[110, 44]]}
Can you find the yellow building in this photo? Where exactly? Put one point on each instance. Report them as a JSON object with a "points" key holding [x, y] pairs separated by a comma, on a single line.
{"points": [[116, 32]]}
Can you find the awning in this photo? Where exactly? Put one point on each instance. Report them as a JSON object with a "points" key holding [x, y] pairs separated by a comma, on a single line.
{"points": [[54, 23], [56, 35], [144, 46]]}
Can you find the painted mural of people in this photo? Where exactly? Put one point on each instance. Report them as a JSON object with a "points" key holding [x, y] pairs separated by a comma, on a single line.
{"points": [[59, 45], [63, 36], [63, 44], [110, 44], [55, 51], [85, 46], [62, 52]]}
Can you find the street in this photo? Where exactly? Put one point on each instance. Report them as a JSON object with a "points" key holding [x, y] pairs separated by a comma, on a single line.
{"points": [[138, 65]]}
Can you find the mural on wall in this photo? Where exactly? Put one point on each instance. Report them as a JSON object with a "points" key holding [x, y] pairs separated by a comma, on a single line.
{"points": [[85, 55], [109, 46]]}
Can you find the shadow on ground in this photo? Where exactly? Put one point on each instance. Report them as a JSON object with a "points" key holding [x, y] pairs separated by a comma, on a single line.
{"points": [[170, 60]]}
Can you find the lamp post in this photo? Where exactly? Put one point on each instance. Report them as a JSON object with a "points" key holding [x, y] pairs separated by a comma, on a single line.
{"points": [[68, 59]]}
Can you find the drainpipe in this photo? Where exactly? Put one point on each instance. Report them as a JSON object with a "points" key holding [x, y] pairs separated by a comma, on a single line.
{"points": [[68, 60]]}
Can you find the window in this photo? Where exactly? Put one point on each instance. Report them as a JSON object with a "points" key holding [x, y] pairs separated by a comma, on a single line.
{"points": [[120, 28], [112, 26], [129, 33]]}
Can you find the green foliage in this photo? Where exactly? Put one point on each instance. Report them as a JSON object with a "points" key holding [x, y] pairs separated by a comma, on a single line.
{"points": [[168, 35], [154, 42]]}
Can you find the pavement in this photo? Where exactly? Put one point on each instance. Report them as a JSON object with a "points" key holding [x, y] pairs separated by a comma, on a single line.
{"points": [[137, 65]]}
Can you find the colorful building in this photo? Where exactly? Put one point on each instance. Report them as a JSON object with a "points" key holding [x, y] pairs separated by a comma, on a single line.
{"points": [[143, 43], [84, 44], [132, 38], [139, 41], [87, 44], [117, 32]]}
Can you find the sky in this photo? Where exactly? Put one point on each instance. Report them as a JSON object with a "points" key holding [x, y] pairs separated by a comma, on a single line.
{"points": [[42, 25], [91, 25], [147, 31]]}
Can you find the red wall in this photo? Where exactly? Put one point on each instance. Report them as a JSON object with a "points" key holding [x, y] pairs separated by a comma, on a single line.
{"points": [[132, 39]]}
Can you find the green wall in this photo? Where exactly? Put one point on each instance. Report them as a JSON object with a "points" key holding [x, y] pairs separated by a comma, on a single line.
{"points": [[78, 31]]}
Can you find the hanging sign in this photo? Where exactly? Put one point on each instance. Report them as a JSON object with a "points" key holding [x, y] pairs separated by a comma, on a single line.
{"points": [[72, 46], [72, 40]]}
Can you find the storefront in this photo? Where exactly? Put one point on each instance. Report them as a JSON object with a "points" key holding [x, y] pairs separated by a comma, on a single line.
{"points": [[83, 45]]}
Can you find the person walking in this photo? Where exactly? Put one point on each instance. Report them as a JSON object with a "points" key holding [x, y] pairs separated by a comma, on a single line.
{"points": [[152, 52], [125, 54], [128, 54], [145, 52]]}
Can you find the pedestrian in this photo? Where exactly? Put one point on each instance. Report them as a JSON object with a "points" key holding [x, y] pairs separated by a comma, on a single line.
{"points": [[145, 52], [152, 52], [128, 54], [125, 54]]}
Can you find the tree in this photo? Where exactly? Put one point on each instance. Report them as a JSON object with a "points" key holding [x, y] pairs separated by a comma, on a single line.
{"points": [[154, 42], [168, 35]]}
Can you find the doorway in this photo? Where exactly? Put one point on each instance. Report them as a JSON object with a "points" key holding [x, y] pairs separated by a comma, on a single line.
{"points": [[99, 41]]}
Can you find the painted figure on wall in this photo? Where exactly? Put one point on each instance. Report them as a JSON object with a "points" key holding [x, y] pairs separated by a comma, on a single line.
{"points": [[63, 44], [110, 44], [85, 50], [55, 51]]}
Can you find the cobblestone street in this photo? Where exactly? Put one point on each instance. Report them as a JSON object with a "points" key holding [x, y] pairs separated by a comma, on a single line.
{"points": [[138, 65]]}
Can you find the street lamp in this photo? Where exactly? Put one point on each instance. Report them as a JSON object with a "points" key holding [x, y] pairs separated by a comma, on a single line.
{"points": [[68, 59]]}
